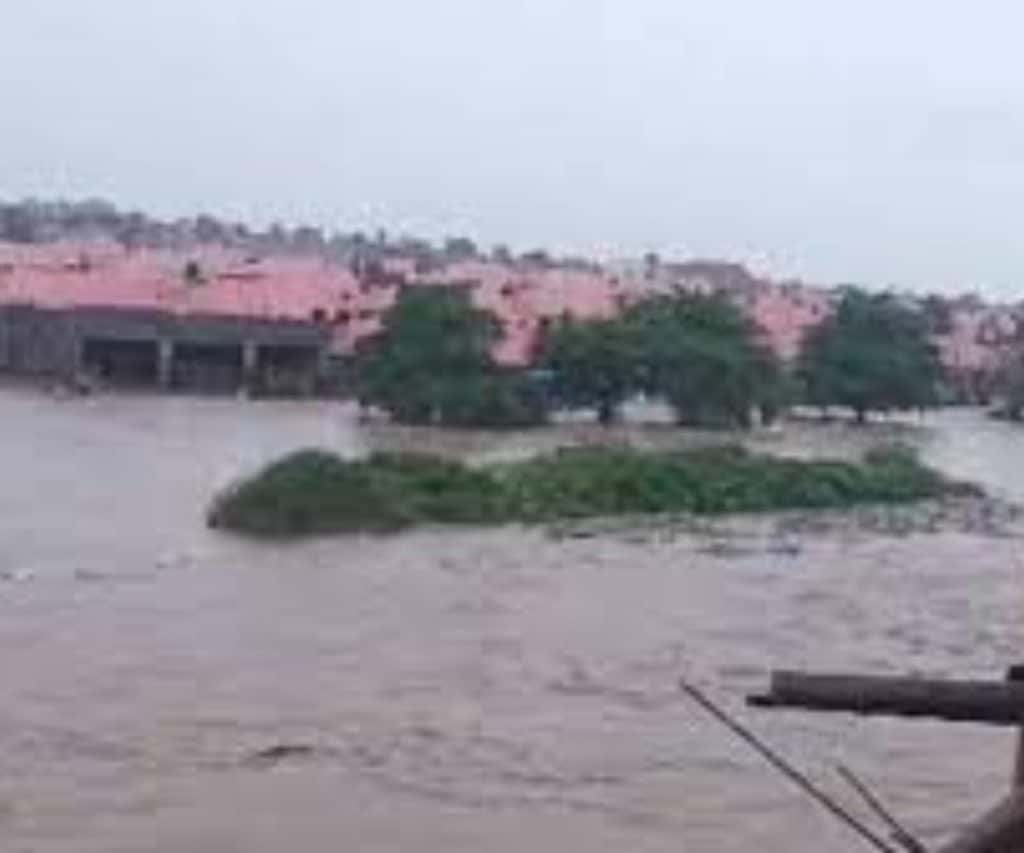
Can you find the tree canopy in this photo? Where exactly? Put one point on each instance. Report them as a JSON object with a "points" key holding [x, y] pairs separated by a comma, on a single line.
{"points": [[873, 353], [1009, 385], [460, 248], [432, 339], [701, 355], [431, 363], [592, 364], [698, 353]]}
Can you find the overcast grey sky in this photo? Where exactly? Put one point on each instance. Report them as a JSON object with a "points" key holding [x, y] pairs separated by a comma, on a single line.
{"points": [[880, 141]]}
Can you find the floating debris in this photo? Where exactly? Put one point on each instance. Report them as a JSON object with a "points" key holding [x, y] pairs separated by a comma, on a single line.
{"points": [[274, 755]]}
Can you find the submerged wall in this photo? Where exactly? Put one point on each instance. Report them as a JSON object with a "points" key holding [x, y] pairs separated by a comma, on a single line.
{"points": [[162, 350]]}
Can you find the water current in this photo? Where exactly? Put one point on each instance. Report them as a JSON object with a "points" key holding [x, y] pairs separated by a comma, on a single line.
{"points": [[458, 690]]}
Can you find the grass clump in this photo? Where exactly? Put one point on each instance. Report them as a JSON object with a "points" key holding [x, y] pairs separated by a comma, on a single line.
{"points": [[312, 492]]}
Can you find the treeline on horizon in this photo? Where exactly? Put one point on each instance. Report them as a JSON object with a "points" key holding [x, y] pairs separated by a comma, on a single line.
{"points": [[32, 222], [37, 222]]}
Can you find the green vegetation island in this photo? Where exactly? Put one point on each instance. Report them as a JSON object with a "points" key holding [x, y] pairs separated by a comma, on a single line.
{"points": [[432, 364], [313, 493]]}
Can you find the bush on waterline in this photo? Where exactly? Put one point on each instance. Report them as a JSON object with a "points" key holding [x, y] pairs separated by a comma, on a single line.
{"points": [[312, 492]]}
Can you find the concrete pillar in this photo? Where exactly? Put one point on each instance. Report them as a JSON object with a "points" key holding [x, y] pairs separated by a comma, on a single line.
{"points": [[165, 363], [75, 366], [250, 365], [323, 368]]}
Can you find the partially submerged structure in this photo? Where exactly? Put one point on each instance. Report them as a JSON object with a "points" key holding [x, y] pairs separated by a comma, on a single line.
{"points": [[154, 349], [219, 323], [986, 702]]}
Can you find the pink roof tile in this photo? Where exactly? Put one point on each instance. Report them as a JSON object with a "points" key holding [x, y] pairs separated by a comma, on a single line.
{"points": [[69, 275], [227, 286]]}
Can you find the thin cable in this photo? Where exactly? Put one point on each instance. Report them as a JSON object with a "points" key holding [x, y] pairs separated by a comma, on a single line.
{"points": [[794, 775], [900, 834]]}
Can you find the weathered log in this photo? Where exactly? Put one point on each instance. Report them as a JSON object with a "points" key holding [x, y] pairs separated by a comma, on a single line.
{"points": [[1016, 673], [992, 702], [1000, 831]]}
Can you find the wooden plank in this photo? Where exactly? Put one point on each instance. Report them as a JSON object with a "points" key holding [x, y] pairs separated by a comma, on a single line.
{"points": [[1000, 831], [992, 702], [1016, 674]]}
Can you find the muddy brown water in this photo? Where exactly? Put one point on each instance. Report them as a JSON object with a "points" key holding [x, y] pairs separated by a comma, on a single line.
{"points": [[452, 690]]}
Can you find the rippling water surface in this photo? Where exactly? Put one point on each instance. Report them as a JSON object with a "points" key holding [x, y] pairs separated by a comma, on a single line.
{"points": [[499, 690]]}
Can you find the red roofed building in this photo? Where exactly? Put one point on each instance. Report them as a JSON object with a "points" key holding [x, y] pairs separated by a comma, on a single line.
{"points": [[338, 305]]}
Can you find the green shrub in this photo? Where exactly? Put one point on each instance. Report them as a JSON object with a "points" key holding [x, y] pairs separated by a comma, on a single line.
{"points": [[309, 492], [312, 492], [429, 488]]}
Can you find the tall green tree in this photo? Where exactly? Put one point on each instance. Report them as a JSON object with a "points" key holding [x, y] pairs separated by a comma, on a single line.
{"points": [[432, 345], [872, 354], [698, 353], [431, 363], [592, 364], [1009, 385], [701, 354]]}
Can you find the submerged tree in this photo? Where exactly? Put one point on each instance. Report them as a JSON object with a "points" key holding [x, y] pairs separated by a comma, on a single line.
{"points": [[873, 353], [701, 355], [1009, 385], [698, 353], [431, 363], [432, 340], [592, 364]]}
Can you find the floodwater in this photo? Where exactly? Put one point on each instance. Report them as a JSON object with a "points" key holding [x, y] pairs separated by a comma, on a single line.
{"points": [[501, 690]]}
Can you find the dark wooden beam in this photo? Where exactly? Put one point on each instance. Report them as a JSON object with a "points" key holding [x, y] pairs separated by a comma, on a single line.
{"points": [[1016, 674], [992, 702]]}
